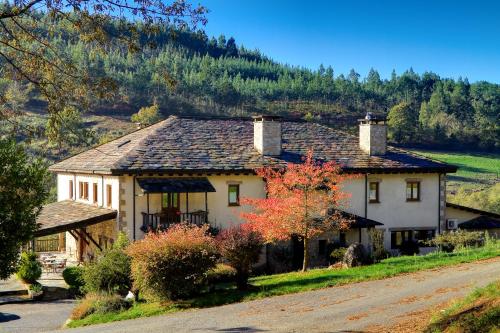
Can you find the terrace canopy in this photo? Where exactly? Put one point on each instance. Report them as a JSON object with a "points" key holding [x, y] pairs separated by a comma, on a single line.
{"points": [[176, 185], [70, 215]]}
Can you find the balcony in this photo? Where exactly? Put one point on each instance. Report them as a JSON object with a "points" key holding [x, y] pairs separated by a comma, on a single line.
{"points": [[161, 221]]}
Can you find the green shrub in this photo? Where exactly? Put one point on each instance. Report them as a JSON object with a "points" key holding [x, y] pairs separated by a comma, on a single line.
{"points": [[99, 303], [378, 249], [240, 248], [73, 276], [450, 241], [36, 287], [337, 254], [111, 272], [220, 274], [30, 269], [172, 264]]}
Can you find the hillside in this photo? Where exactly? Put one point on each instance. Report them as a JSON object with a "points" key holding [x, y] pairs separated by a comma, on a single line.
{"points": [[477, 181], [188, 72]]}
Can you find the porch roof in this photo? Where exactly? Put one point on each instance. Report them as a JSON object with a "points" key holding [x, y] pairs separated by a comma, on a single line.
{"points": [[70, 215], [481, 222], [176, 185]]}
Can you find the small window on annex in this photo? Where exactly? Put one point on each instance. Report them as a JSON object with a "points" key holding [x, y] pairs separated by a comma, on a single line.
{"points": [[233, 191]]}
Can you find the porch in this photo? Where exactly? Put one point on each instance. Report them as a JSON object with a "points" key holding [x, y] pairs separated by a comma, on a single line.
{"points": [[164, 197]]}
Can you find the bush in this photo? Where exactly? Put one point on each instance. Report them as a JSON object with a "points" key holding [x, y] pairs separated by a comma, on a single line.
{"points": [[111, 272], [172, 264], [449, 241], [378, 249], [240, 248], [222, 273], [409, 248], [73, 276], [30, 269], [99, 303], [337, 254]]}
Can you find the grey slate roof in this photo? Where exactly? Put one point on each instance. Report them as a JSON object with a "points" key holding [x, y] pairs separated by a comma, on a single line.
{"points": [[196, 145], [69, 215]]}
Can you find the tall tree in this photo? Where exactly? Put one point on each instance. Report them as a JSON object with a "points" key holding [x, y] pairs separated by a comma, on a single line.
{"points": [[23, 189], [302, 200], [29, 52], [402, 122]]}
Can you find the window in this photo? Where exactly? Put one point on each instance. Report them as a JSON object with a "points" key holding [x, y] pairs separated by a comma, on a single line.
{"points": [[234, 195], [94, 192], [420, 236], [373, 192], [170, 200], [109, 195], [398, 237], [70, 190], [83, 190], [412, 191], [423, 236]]}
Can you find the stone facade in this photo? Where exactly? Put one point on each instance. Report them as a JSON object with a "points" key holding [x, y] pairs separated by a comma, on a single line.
{"points": [[373, 138], [267, 136]]}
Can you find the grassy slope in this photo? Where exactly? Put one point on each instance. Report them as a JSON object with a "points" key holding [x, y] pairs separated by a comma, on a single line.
{"points": [[478, 312], [281, 284], [476, 170]]}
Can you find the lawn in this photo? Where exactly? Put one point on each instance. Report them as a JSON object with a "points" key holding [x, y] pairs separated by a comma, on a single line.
{"points": [[478, 312], [281, 284], [475, 170]]}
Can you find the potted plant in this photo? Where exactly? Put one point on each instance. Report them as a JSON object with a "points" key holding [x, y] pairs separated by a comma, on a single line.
{"points": [[35, 291]]}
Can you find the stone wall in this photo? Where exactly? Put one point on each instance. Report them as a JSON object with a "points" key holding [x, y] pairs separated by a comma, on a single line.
{"points": [[267, 137], [373, 138]]}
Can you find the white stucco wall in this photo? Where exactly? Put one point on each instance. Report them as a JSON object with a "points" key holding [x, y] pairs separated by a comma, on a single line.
{"points": [[459, 214], [63, 193], [393, 210], [220, 213]]}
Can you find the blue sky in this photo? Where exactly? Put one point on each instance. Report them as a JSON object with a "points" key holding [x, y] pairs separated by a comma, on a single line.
{"points": [[450, 38]]}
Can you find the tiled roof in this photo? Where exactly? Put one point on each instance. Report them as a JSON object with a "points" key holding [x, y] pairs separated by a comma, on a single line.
{"points": [[194, 145], [69, 215]]}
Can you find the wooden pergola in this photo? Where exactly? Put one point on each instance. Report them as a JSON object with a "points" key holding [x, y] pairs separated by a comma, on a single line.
{"points": [[73, 217]]}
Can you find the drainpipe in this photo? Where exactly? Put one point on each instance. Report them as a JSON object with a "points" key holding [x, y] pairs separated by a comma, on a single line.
{"points": [[133, 208], [439, 203], [366, 203], [102, 191]]}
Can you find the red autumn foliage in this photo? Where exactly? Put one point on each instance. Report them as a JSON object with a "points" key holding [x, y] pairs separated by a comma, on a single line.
{"points": [[172, 264], [240, 247], [303, 199]]}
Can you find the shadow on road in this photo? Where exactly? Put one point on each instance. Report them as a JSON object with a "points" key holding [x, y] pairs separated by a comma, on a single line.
{"points": [[5, 317]]}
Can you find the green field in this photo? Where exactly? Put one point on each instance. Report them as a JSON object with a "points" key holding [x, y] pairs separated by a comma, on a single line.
{"points": [[475, 170]]}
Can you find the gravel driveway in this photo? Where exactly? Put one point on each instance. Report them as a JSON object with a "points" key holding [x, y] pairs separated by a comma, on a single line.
{"points": [[356, 307]]}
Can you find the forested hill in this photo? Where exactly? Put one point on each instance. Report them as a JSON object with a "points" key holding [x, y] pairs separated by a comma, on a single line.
{"points": [[188, 72]]}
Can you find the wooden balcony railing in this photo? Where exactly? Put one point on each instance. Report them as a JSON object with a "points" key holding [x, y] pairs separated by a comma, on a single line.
{"points": [[161, 221]]}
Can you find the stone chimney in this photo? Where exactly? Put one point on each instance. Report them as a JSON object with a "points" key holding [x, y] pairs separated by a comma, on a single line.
{"points": [[267, 135], [373, 134]]}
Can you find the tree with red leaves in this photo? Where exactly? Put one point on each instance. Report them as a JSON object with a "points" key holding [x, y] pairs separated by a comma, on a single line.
{"points": [[303, 200]]}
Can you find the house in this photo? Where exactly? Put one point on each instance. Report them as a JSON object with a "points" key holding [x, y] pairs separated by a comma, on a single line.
{"points": [[467, 218], [197, 169]]}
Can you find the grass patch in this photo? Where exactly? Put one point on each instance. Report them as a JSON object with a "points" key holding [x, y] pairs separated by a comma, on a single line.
{"points": [[475, 170], [281, 284], [478, 312]]}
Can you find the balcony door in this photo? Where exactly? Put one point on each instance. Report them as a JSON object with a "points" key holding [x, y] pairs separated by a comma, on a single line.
{"points": [[170, 206]]}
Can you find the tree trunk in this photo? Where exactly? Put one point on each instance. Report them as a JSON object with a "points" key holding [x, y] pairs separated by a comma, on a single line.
{"points": [[305, 264]]}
